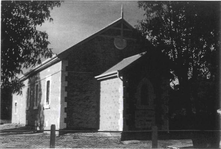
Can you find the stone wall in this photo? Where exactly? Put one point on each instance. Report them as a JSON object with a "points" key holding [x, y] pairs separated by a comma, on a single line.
{"points": [[83, 90], [144, 113], [142, 116], [53, 113], [139, 116], [19, 106], [111, 105], [82, 101], [41, 116]]}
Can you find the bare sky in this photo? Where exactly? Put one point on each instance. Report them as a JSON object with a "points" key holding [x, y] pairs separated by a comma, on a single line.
{"points": [[76, 20]]}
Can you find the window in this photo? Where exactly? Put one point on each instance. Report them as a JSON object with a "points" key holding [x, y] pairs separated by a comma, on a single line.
{"points": [[47, 92], [15, 107], [144, 95], [28, 97], [36, 96]]}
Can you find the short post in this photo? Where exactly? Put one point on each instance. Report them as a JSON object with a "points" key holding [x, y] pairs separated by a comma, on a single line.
{"points": [[52, 137], [154, 137]]}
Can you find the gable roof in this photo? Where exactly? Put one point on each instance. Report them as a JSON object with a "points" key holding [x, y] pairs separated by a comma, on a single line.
{"points": [[118, 21], [65, 53], [113, 71]]}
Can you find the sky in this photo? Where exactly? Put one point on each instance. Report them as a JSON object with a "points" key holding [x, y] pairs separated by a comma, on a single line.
{"points": [[74, 21]]}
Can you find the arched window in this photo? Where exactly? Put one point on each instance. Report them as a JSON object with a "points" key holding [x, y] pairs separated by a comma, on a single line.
{"points": [[144, 95]]}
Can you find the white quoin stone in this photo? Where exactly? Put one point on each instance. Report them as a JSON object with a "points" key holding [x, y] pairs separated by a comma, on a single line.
{"points": [[64, 83]]}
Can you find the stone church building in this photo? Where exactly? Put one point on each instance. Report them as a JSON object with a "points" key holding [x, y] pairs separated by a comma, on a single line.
{"points": [[110, 81]]}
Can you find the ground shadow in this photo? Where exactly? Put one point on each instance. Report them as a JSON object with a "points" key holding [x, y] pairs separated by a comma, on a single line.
{"points": [[18, 130]]}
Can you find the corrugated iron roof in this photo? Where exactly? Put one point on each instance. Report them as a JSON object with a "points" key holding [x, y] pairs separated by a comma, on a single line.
{"points": [[122, 64]]}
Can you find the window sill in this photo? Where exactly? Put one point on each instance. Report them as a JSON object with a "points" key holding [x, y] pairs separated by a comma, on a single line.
{"points": [[47, 107]]}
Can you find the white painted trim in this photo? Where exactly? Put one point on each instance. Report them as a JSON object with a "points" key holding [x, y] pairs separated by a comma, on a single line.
{"points": [[107, 75], [121, 105]]}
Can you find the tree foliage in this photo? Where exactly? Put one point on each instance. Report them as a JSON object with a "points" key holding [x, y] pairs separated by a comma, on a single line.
{"points": [[188, 33], [22, 44]]}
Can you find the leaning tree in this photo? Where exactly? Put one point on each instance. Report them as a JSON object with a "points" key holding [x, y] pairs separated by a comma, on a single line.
{"points": [[22, 45]]}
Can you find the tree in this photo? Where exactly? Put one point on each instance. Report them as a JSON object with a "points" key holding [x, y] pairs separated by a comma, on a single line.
{"points": [[188, 33], [23, 45]]}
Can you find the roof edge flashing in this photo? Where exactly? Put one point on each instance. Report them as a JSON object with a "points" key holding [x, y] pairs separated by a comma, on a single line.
{"points": [[107, 75]]}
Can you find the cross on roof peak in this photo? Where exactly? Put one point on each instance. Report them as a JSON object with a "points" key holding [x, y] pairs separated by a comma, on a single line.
{"points": [[122, 11]]}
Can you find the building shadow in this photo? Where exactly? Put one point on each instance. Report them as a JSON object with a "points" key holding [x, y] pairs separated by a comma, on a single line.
{"points": [[6, 105], [35, 104]]}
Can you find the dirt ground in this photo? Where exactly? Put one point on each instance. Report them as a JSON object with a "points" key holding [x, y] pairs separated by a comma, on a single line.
{"points": [[29, 139]]}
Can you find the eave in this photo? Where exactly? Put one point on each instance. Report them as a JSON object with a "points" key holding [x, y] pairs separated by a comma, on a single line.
{"points": [[40, 67], [107, 75], [117, 69]]}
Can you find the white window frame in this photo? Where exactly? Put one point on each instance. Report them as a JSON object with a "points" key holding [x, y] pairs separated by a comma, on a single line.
{"points": [[36, 95], [47, 104]]}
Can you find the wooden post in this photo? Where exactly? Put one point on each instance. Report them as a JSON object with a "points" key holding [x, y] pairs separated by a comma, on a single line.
{"points": [[1, 76], [52, 137], [154, 137]]}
